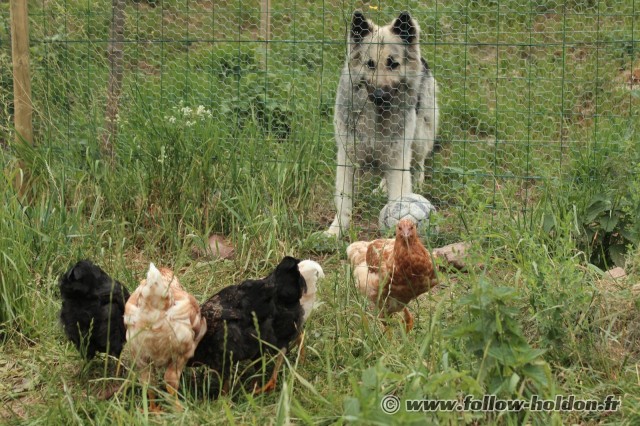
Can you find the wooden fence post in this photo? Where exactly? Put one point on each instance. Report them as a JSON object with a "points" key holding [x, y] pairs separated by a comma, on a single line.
{"points": [[23, 109], [265, 27], [116, 74], [21, 78]]}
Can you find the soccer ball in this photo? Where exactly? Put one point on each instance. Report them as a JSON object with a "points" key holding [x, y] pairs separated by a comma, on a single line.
{"points": [[412, 206]]}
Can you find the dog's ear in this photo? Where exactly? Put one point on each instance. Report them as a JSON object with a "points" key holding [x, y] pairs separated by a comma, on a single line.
{"points": [[360, 27], [406, 28]]}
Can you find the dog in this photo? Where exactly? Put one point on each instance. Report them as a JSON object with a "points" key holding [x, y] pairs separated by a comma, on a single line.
{"points": [[386, 112]]}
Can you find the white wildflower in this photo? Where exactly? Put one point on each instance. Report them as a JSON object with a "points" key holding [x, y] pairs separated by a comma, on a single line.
{"points": [[163, 155], [186, 111], [201, 110], [190, 123], [172, 119]]}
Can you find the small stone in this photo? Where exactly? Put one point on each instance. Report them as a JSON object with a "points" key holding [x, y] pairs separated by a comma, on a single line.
{"points": [[615, 273]]}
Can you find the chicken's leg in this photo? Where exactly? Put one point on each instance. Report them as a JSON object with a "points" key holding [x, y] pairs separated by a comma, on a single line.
{"points": [[172, 380], [408, 319], [145, 377], [111, 389], [224, 391], [300, 345], [271, 384], [153, 406]]}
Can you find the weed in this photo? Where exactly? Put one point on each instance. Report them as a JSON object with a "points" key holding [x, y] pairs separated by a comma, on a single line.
{"points": [[507, 364]]}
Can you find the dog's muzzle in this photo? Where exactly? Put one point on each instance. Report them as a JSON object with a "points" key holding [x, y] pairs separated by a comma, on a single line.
{"points": [[381, 98]]}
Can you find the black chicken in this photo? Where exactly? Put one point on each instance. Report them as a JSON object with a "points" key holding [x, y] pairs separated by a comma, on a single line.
{"points": [[92, 314], [272, 303]]}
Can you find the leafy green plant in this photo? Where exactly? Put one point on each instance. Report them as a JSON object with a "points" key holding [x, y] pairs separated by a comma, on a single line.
{"points": [[599, 205], [556, 287], [611, 224], [232, 60], [269, 108], [507, 364], [610, 219]]}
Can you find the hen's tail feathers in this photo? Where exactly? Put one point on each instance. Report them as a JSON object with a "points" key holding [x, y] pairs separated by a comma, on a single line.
{"points": [[357, 252], [154, 276], [366, 281]]}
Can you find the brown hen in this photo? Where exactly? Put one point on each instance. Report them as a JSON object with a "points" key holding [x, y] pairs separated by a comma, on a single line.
{"points": [[164, 328], [392, 272]]}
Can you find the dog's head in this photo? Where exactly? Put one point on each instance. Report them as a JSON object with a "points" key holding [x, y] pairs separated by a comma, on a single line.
{"points": [[384, 60]]}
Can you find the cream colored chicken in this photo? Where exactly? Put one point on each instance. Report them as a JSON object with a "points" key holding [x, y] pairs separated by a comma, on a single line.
{"points": [[164, 328]]}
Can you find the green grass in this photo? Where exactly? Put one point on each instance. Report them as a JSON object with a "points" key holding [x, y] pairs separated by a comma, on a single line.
{"points": [[539, 168]]}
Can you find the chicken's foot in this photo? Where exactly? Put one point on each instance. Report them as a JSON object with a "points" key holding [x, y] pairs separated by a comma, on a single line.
{"points": [[408, 319], [271, 384], [300, 345]]}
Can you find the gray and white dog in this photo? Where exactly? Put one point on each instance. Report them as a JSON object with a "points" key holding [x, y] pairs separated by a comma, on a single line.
{"points": [[386, 112]]}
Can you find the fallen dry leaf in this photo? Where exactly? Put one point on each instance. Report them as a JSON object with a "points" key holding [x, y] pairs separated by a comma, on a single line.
{"points": [[218, 248]]}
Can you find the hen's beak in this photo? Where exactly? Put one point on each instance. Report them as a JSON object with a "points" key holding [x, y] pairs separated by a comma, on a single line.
{"points": [[406, 232]]}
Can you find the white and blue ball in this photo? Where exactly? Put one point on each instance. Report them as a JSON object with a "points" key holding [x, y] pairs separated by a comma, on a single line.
{"points": [[412, 206]]}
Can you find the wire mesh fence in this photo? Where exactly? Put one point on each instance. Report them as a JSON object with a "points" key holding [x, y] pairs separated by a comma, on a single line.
{"points": [[526, 89]]}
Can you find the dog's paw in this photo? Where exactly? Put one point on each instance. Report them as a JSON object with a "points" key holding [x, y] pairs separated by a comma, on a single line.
{"points": [[332, 232]]}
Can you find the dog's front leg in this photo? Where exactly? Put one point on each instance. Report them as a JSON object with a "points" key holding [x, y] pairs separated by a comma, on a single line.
{"points": [[343, 196], [398, 172]]}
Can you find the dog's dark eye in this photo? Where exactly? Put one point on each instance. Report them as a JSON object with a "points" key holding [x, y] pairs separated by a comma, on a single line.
{"points": [[371, 64], [392, 64]]}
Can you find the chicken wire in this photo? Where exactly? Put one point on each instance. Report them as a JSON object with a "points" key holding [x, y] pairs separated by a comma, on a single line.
{"points": [[526, 88]]}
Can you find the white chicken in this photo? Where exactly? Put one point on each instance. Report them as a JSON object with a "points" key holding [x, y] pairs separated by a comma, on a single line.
{"points": [[311, 271]]}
